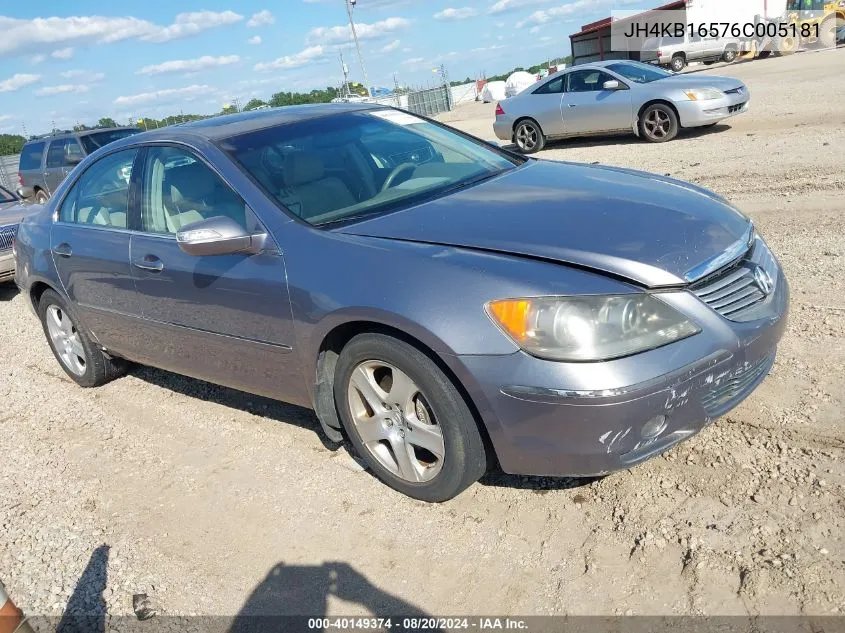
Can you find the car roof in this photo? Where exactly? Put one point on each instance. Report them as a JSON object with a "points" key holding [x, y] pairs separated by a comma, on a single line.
{"points": [[235, 124], [73, 133]]}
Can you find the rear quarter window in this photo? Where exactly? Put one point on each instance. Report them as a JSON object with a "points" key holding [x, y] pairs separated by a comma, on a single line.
{"points": [[31, 156]]}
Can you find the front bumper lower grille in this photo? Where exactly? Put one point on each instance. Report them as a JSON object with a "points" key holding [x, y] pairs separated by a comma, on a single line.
{"points": [[7, 235], [736, 108], [735, 386]]}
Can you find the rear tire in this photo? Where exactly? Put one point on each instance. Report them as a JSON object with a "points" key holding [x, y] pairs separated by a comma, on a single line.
{"points": [[827, 33], [729, 56], [41, 196], [395, 404], [679, 62], [529, 137], [659, 123], [83, 361]]}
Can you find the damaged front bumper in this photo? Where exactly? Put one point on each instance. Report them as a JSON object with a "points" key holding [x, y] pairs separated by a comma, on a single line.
{"points": [[539, 428]]}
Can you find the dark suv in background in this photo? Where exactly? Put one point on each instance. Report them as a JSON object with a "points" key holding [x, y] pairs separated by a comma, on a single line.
{"points": [[46, 161]]}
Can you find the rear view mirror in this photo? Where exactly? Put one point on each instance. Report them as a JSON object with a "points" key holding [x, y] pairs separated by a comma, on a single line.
{"points": [[25, 192], [73, 159], [611, 85], [218, 236]]}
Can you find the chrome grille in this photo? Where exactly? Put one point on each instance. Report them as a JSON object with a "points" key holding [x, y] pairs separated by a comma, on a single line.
{"points": [[7, 234], [733, 291], [735, 386]]}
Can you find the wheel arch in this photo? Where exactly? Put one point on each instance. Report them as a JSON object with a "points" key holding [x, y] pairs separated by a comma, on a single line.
{"points": [[526, 118], [339, 335], [37, 290]]}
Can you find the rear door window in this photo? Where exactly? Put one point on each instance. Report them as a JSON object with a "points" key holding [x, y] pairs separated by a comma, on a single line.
{"points": [[56, 153], [31, 157], [554, 86], [100, 197], [73, 152]]}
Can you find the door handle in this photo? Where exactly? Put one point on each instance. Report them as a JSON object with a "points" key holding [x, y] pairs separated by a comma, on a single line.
{"points": [[572, 105], [63, 250], [150, 263]]}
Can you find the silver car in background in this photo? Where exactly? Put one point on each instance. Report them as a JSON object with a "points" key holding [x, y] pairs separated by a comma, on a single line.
{"points": [[616, 96], [12, 211]]}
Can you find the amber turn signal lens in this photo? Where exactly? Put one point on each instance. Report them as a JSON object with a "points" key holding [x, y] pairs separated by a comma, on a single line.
{"points": [[512, 315]]}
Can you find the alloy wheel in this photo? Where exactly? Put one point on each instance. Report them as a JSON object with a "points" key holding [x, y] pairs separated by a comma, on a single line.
{"points": [[395, 422], [66, 340], [527, 137], [657, 124]]}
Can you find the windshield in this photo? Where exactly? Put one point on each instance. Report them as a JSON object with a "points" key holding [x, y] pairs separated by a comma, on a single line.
{"points": [[343, 167], [95, 141], [639, 73]]}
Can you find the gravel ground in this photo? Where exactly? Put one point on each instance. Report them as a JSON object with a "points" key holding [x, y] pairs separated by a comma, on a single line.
{"points": [[211, 501]]}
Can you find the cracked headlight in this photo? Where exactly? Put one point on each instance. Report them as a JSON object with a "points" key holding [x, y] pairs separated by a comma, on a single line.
{"points": [[590, 328]]}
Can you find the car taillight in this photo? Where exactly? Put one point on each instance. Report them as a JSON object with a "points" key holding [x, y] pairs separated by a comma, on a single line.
{"points": [[20, 179], [660, 53], [499, 111]]}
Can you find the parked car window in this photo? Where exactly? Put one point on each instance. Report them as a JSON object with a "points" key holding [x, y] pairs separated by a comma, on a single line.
{"points": [[100, 196], [639, 73], [179, 189], [73, 150], [554, 86], [96, 140], [586, 80], [31, 156], [360, 164], [56, 153], [5, 196]]}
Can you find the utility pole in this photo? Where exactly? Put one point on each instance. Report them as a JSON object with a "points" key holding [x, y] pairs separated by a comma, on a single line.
{"points": [[350, 4], [345, 70]]}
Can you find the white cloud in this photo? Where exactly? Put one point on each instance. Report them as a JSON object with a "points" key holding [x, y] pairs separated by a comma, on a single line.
{"points": [[255, 39], [414, 61], [369, 4], [301, 58], [456, 14], [47, 91], [488, 49], [536, 29], [37, 59], [172, 94], [262, 18], [63, 53], [86, 76], [327, 35], [544, 16], [25, 35], [389, 48], [18, 81], [511, 5], [546, 38], [407, 49], [189, 65], [5, 117]]}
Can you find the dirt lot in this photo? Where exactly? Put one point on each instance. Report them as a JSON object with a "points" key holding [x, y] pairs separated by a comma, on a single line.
{"points": [[211, 501]]}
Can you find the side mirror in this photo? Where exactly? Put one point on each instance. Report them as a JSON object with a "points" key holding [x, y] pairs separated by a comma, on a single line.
{"points": [[25, 192], [218, 236], [73, 159], [611, 85]]}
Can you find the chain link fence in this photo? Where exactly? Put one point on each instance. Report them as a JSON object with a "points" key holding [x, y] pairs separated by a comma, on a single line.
{"points": [[9, 171]]}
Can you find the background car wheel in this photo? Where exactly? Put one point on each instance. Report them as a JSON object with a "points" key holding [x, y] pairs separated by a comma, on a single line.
{"points": [[659, 123], [406, 419], [528, 136], [79, 357], [729, 56], [827, 33], [41, 197], [679, 62]]}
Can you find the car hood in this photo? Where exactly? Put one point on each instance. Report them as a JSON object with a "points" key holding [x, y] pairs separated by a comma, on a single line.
{"points": [[702, 81], [648, 229], [14, 212]]}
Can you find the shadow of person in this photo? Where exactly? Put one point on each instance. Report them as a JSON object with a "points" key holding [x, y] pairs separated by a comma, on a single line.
{"points": [[291, 595], [86, 608]]}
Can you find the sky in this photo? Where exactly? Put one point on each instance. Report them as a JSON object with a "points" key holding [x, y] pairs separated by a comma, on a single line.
{"points": [[63, 62]]}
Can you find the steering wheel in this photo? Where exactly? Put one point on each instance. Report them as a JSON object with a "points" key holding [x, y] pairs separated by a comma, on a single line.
{"points": [[388, 183]]}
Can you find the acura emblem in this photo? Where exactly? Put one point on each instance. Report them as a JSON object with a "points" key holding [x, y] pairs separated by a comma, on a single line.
{"points": [[763, 280]]}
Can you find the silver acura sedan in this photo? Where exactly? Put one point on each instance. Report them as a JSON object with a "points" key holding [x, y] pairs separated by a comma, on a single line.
{"points": [[616, 96]]}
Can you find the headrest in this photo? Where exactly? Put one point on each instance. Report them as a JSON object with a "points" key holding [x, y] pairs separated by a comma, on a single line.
{"points": [[302, 167], [190, 182]]}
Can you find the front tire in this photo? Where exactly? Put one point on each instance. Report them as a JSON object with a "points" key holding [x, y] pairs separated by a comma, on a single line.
{"points": [[729, 56], [679, 62], [83, 361], [406, 419], [659, 123], [529, 137]]}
